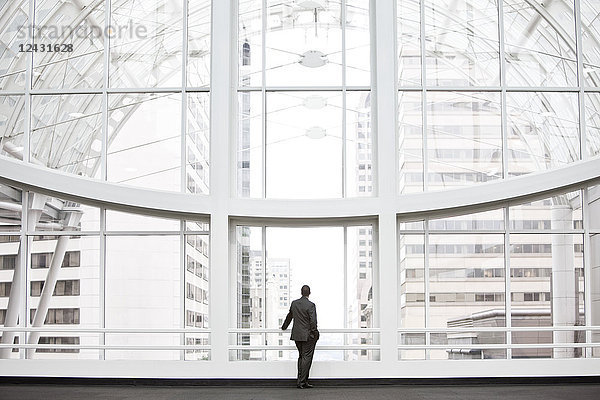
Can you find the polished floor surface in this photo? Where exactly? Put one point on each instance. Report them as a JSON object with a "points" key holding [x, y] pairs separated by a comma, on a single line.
{"points": [[401, 392]]}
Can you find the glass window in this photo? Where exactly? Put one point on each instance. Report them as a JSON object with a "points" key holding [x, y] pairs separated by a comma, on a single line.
{"points": [[264, 289], [12, 137], [592, 123], [66, 133], [547, 289], [464, 139], [539, 40], [561, 212], [13, 36], [70, 43], [143, 291], [590, 31], [408, 28], [64, 289], [462, 46], [199, 52], [543, 131], [198, 143], [305, 143], [144, 147], [145, 49]]}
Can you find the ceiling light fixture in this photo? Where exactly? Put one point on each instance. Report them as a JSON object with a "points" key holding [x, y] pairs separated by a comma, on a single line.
{"points": [[315, 102], [316, 132], [313, 59]]}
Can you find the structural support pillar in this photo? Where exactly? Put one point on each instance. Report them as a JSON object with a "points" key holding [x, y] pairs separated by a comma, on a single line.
{"points": [[564, 302]]}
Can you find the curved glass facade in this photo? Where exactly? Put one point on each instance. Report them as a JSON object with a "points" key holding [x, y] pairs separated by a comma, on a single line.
{"points": [[414, 161]]}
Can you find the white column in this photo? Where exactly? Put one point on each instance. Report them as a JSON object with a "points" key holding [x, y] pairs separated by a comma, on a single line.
{"points": [[564, 304], [593, 214], [18, 285], [386, 167], [220, 176]]}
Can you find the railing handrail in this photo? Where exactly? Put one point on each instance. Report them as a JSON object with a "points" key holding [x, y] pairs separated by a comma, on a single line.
{"points": [[476, 346], [75, 329], [499, 329], [330, 330]]}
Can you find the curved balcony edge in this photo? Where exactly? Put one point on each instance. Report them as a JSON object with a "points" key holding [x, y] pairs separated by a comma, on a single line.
{"points": [[172, 204]]}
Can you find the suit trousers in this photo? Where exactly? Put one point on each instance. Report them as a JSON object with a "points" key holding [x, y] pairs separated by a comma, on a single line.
{"points": [[306, 349]]}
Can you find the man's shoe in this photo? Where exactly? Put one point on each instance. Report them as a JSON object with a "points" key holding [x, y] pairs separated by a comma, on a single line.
{"points": [[308, 386], [301, 386]]}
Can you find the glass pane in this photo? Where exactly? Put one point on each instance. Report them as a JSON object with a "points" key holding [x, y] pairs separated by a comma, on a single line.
{"points": [[464, 137], [66, 133], [359, 148], [594, 207], [590, 31], [359, 291], [250, 42], [70, 54], [462, 43], [595, 288], [540, 43], [561, 212], [12, 138], [466, 281], [145, 50], [143, 291], [304, 144], [197, 226], [410, 142], [543, 131], [304, 43], [359, 296], [487, 221], [412, 292], [10, 284], [547, 289], [250, 289], [64, 286], [199, 51], [358, 52], [197, 292], [144, 132], [592, 123], [14, 34], [11, 201], [120, 221], [50, 214], [322, 268], [198, 143], [250, 145], [408, 28]]}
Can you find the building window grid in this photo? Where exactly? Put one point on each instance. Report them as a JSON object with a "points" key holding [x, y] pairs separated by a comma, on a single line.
{"points": [[582, 153], [428, 274]]}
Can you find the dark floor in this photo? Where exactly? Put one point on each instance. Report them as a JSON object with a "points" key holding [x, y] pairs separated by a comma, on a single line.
{"points": [[403, 392]]}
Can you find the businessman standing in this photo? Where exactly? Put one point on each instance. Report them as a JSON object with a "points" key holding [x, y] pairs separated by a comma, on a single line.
{"points": [[304, 333]]}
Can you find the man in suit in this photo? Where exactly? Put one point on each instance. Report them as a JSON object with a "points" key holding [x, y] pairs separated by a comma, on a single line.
{"points": [[304, 333]]}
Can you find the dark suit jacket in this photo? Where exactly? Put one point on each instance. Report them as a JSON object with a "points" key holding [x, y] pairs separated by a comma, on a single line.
{"points": [[304, 314]]}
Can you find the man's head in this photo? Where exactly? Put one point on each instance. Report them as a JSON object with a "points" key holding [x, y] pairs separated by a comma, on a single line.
{"points": [[305, 290]]}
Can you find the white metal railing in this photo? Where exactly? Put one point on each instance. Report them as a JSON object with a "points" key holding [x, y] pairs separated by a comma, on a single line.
{"points": [[103, 330], [336, 330], [264, 332], [500, 329]]}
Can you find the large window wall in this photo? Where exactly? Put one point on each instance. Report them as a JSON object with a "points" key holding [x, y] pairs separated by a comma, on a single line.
{"points": [[304, 98], [274, 262], [124, 99], [429, 168], [493, 89], [101, 284], [495, 284]]}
